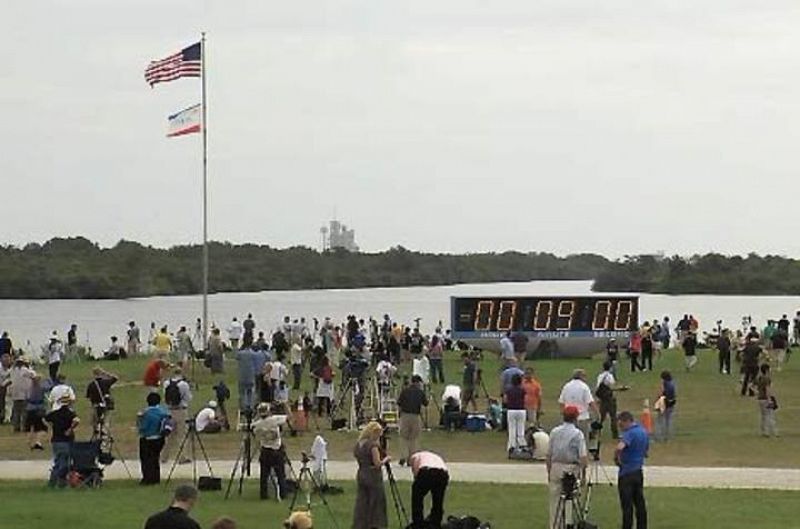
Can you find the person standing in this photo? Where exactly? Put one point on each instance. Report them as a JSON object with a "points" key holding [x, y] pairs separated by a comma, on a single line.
{"points": [[647, 348], [635, 350], [249, 326], [766, 402], [98, 391], [750, 357], [246, 360], [411, 401], [272, 458], [514, 400], [216, 355], [72, 341], [19, 388], [55, 354], [296, 359], [184, 347], [604, 391], [690, 350], [666, 334], [577, 393], [6, 345], [430, 476], [163, 343], [668, 399], [436, 356], [63, 423], [629, 456], [152, 374], [566, 454], [134, 338], [533, 396], [469, 383], [177, 515], [235, 331], [369, 511], [724, 348], [507, 349], [35, 411], [178, 398], [5, 382], [520, 341], [325, 393], [150, 423]]}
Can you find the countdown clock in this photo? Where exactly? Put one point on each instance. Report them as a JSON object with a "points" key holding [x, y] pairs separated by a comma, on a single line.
{"points": [[574, 326]]}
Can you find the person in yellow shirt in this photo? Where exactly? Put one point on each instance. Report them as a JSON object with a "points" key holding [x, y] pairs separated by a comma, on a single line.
{"points": [[163, 342]]}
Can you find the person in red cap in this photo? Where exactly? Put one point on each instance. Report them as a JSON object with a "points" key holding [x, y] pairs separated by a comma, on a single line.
{"points": [[566, 454]]}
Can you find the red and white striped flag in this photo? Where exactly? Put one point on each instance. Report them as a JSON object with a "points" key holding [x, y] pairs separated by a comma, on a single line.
{"points": [[186, 63], [186, 121]]}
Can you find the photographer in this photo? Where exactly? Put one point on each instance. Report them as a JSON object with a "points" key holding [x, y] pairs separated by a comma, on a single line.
{"points": [[566, 454], [604, 391], [629, 456], [99, 394], [63, 423], [150, 423], [430, 475], [267, 430], [177, 397], [410, 402], [370, 507]]}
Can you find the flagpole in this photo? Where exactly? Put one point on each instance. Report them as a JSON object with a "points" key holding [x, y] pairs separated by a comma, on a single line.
{"points": [[205, 191]]}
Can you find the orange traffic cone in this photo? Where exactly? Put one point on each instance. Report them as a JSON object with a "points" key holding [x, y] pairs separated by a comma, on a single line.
{"points": [[300, 421], [646, 419]]}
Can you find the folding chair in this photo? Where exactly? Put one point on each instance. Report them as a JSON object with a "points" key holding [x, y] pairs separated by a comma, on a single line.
{"points": [[83, 464]]}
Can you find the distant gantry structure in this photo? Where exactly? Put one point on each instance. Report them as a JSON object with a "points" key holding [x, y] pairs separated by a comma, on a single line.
{"points": [[336, 235]]}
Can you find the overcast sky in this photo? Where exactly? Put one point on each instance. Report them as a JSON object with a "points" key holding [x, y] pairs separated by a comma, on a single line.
{"points": [[450, 125]]}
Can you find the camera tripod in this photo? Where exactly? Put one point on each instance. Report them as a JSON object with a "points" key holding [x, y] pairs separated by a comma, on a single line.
{"points": [[244, 458], [402, 514], [569, 501], [593, 478], [193, 437], [354, 388], [102, 435], [306, 478]]}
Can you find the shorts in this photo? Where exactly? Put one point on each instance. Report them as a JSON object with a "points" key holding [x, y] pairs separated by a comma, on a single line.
{"points": [[468, 394], [34, 421]]}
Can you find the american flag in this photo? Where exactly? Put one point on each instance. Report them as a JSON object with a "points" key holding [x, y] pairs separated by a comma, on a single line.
{"points": [[185, 63]]}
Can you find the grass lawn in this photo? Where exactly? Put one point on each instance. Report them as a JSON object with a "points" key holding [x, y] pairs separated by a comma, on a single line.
{"points": [[714, 425], [121, 505]]}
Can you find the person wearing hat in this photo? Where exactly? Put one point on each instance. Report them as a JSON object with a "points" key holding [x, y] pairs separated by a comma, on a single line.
{"points": [[61, 394], [20, 377], [410, 401], [63, 423], [299, 520], [577, 393], [206, 420], [267, 429], [55, 353], [566, 454]]}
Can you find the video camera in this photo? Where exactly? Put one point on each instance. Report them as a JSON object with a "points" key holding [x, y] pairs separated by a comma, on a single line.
{"points": [[569, 485], [593, 443]]}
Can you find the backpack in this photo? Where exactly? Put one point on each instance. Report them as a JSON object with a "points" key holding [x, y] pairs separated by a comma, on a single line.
{"points": [[603, 392], [172, 395]]}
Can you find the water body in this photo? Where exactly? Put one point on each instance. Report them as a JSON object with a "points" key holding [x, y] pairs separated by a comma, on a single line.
{"points": [[33, 320]]}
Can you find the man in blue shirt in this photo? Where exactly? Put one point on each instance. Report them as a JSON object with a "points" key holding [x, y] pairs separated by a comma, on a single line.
{"points": [[629, 456], [151, 439]]}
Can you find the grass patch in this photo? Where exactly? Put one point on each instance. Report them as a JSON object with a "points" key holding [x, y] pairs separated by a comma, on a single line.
{"points": [[714, 425], [121, 504]]}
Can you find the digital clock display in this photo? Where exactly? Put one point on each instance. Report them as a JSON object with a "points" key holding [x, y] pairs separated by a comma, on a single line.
{"points": [[545, 314]]}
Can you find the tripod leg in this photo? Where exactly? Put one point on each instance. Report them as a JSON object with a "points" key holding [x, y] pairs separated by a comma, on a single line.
{"points": [[233, 473], [177, 457], [203, 451]]}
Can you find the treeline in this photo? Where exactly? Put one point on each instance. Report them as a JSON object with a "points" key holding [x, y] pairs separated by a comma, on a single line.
{"points": [[77, 268], [702, 274]]}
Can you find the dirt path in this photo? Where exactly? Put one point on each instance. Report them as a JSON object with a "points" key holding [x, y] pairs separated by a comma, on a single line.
{"points": [[527, 473]]}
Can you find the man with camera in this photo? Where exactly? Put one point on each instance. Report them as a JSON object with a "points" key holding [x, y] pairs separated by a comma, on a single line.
{"points": [[566, 456], [99, 394], [267, 430], [177, 397], [629, 456], [411, 401]]}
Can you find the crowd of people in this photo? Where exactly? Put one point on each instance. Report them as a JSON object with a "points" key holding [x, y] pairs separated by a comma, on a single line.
{"points": [[272, 397]]}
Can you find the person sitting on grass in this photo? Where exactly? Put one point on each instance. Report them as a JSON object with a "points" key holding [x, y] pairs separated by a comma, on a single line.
{"points": [[206, 420], [176, 516]]}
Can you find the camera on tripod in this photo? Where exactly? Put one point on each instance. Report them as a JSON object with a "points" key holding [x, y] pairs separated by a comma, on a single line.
{"points": [[569, 485]]}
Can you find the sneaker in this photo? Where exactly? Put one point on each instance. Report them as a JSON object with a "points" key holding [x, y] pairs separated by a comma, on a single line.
{"points": [[37, 446], [402, 462]]}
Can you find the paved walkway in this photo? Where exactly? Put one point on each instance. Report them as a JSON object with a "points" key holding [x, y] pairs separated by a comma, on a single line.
{"points": [[523, 473]]}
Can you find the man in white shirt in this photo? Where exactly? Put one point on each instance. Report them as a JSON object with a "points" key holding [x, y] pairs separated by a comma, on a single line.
{"points": [[430, 476], [55, 352], [296, 358], [235, 331], [507, 349], [206, 420], [577, 393], [20, 377], [604, 391], [267, 429], [566, 455]]}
